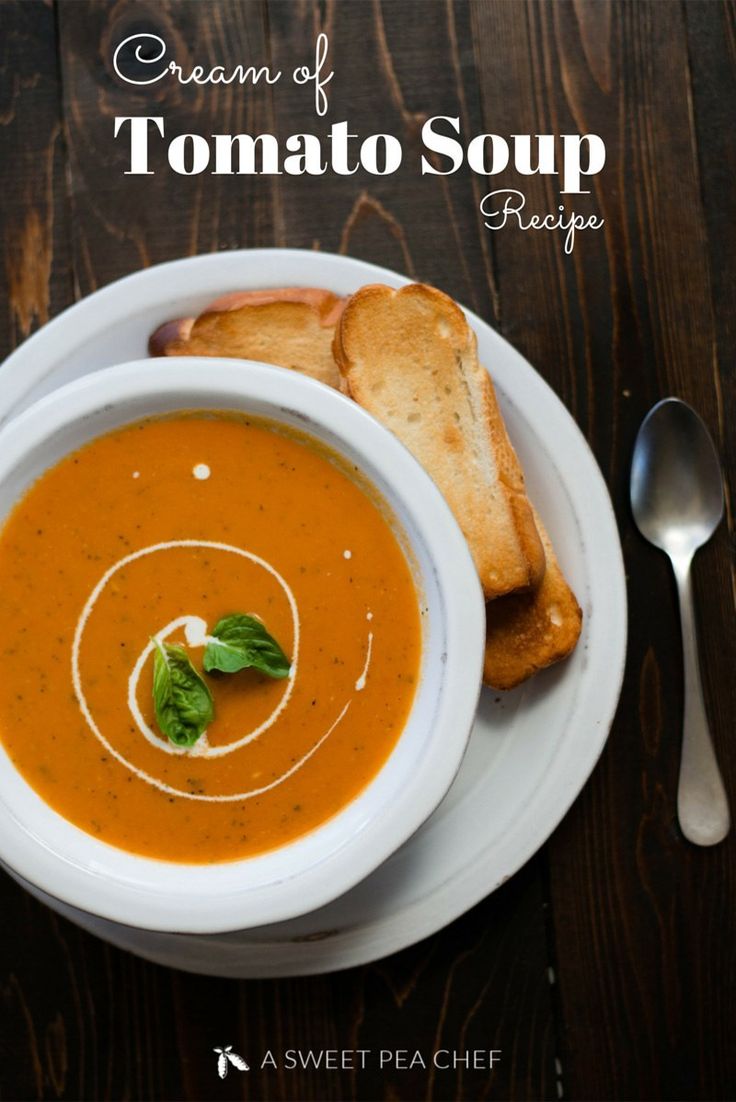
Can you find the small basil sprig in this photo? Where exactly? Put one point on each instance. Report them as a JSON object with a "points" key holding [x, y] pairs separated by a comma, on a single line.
{"points": [[181, 699], [239, 642]]}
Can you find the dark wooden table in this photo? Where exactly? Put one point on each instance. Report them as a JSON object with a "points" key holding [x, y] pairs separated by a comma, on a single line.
{"points": [[606, 968]]}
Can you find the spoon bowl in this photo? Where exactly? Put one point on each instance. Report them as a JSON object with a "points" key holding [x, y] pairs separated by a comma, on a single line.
{"points": [[676, 485], [677, 502]]}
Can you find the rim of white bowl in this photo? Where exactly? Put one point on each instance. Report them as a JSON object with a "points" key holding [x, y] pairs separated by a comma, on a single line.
{"points": [[66, 862]]}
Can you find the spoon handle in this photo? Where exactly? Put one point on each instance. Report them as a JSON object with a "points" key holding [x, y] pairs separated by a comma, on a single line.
{"points": [[702, 804]]}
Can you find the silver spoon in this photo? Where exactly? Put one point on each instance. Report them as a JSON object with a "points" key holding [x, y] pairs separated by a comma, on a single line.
{"points": [[677, 501]]}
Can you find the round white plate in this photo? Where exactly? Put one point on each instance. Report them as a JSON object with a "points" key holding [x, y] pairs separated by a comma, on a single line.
{"points": [[531, 750]]}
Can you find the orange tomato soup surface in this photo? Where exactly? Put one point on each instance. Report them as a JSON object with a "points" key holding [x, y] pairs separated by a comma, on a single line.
{"points": [[190, 518]]}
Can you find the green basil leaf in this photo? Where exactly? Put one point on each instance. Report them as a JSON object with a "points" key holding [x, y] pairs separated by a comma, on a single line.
{"points": [[182, 701], [241, 641]]}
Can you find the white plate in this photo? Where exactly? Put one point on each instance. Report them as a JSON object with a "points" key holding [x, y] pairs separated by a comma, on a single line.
{"points": [[531, 750]]}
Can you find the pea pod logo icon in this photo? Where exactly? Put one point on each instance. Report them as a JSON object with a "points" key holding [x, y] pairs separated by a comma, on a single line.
{"points": [[226, 1058]]}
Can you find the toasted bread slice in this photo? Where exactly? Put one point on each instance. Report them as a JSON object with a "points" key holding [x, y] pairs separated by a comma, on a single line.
{"points": [[527, 631], [290, 327], [409, 358]]}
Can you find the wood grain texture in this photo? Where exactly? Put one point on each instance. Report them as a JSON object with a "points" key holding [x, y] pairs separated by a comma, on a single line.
{"points": [[404, 220], [34, 275], [122, 223], [640, 917], [35, 284], [607, 967]]}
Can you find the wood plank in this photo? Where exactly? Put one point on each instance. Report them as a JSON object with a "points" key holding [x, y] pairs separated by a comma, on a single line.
{"points": [[467, 988], [126, 222], [46, 1028], [34, 280], [641, 932], [424, 226], [712, 54]]}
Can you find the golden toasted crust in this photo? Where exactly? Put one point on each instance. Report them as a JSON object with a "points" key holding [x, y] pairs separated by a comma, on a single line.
{"points": [[527, 631], [512, 477], [290, 327], [409, 357]]}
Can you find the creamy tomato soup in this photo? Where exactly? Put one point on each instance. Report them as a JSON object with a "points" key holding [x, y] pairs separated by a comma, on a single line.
{"points": [[142, 541]]}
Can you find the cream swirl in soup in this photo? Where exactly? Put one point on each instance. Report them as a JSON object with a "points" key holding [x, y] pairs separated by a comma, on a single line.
{"points": [[142, 542]]}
